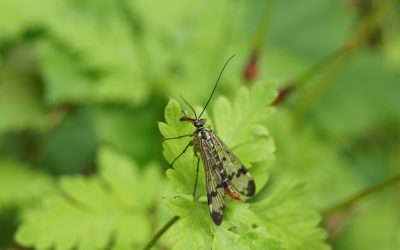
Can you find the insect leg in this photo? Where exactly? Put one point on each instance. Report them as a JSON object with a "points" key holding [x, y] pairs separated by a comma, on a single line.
{"points": [[184, 150], [177, 137], [197, 174]]}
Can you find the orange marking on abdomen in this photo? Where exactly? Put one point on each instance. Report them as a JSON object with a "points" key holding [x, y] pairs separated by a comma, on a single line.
{"points": [[232, 193]]}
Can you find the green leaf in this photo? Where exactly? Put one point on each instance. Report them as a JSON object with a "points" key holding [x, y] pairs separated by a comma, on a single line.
{"points": [[287, 218], [241, 231], [71, 79], [183, 175], [241, 122], [254, 239], [20, 184], [111, 208], [193, 230]]}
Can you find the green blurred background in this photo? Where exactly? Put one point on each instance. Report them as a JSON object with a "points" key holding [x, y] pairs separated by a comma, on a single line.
{"points": [[79, 74]]}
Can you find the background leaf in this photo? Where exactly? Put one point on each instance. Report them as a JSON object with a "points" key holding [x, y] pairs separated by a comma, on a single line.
{"points": [[20, 184], [289, 220], [108, 205]]}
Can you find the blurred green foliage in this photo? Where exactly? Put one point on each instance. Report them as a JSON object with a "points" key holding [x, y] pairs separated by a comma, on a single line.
{"points": [[91, 211], [83, 84]]}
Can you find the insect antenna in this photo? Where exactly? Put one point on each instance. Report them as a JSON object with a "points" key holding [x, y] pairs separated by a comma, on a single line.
{"points": [[190, 106], [216, 84]]}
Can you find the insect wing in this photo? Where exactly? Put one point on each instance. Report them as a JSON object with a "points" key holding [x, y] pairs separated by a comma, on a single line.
{"points": [[238, 175], [215, 190]]}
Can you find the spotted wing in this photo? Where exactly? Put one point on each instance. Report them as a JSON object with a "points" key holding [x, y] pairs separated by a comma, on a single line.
{"points": [[237, 174], [215, 190]]}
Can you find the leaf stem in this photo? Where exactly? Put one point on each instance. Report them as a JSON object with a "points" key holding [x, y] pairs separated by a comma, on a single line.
{"points": [[155, 238], [354, 199]]}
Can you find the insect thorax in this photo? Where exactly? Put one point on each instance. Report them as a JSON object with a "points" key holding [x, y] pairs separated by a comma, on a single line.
{"points": [[202, 134]]}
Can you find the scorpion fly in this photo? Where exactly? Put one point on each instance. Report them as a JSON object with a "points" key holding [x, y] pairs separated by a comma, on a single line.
{"points": [[224, 172]]}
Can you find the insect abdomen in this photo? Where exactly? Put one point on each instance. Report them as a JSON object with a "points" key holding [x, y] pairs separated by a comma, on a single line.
{"points": [[232, 193]]}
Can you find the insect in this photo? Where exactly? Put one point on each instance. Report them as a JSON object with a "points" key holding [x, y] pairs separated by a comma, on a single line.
{"points": [[224, 172]]}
